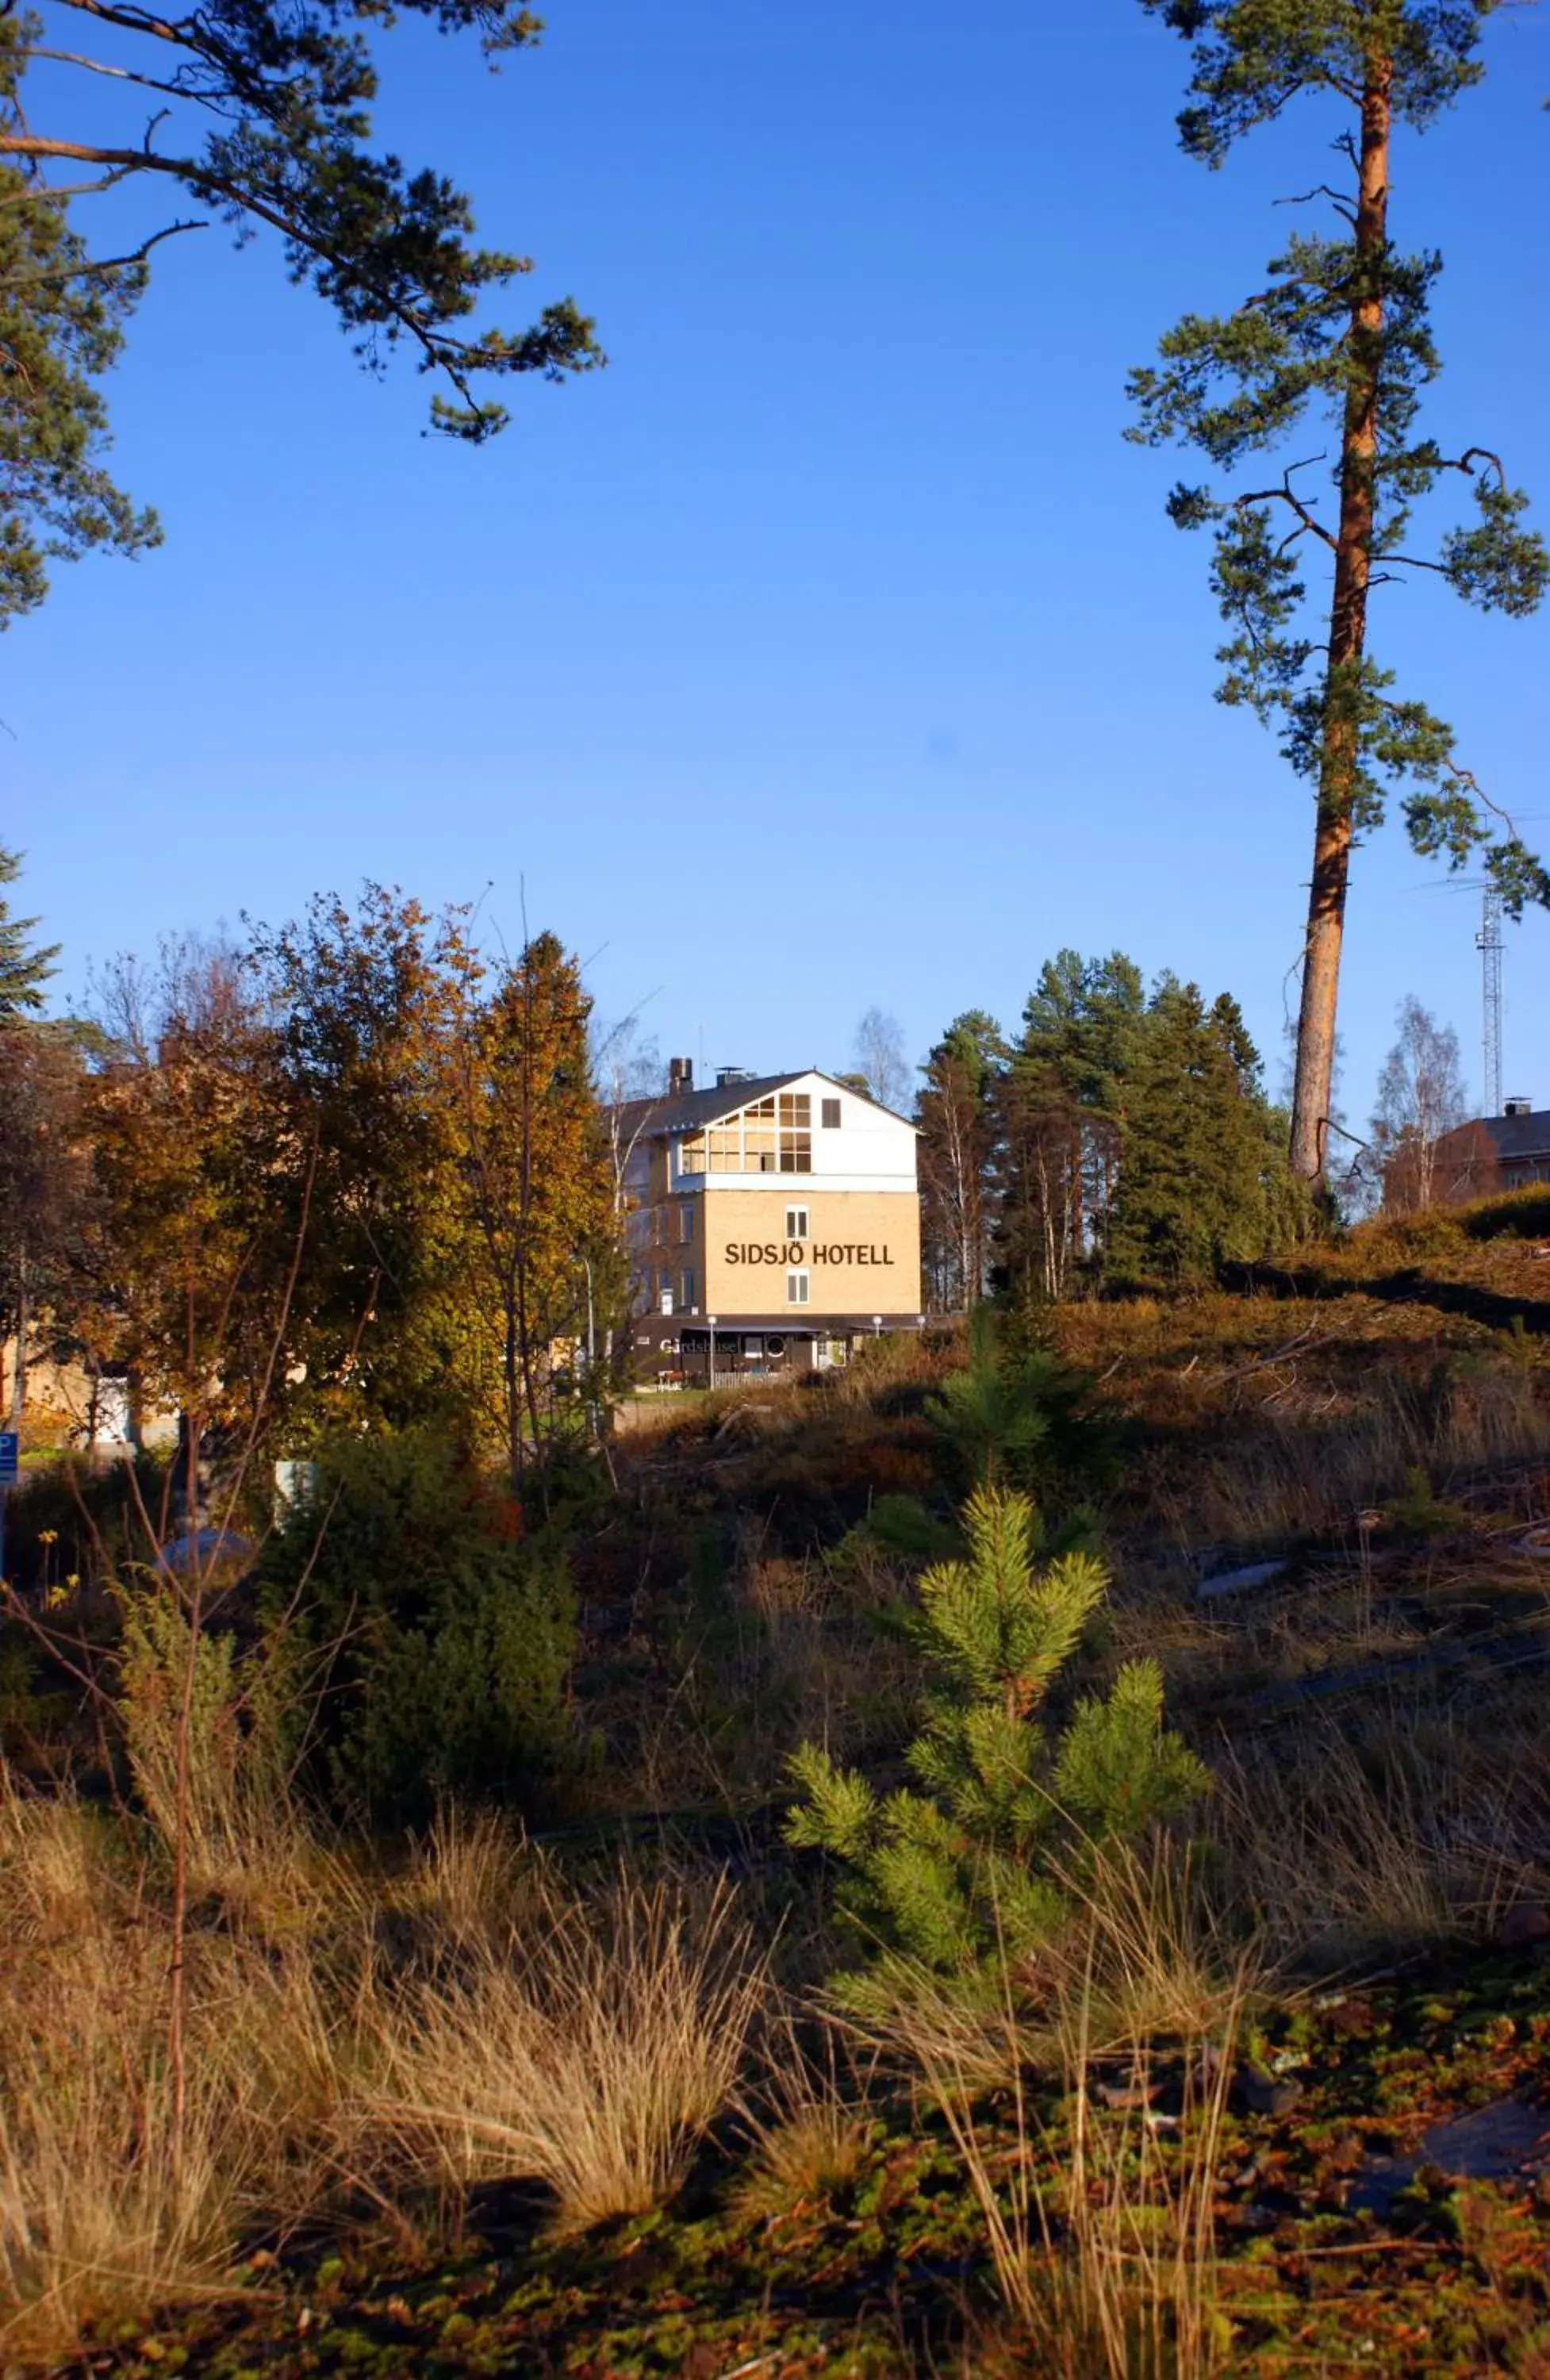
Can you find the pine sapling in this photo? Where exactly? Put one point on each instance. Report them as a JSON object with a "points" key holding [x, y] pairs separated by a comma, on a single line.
{"points": [[966, 1877]]}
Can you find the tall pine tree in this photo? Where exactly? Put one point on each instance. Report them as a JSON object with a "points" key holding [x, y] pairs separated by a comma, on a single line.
{"points": [[1337, 346]]}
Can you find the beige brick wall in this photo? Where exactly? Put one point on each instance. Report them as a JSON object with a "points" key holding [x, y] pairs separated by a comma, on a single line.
{"points": [[862, 1249]]}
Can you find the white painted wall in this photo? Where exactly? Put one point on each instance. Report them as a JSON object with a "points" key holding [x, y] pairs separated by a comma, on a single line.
{"points": [[869, 1151]]}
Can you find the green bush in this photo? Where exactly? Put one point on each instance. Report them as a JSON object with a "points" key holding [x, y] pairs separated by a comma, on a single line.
{"points": [[440, 1638], [79, 1519], [966, 1877], [1019, 1414]]}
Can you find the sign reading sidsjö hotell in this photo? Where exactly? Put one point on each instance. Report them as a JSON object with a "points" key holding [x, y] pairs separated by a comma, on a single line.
{"points": [[796, 1252]]}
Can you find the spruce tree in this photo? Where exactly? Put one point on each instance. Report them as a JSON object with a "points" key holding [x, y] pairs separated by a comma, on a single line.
{"points": [[1338, 346], [1063, 1104], [964, 1878], [25, 968], [1204, 1178]]}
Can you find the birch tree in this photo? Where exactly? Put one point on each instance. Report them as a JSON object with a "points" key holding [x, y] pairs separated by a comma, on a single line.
{"points": [[1421, 1096]]}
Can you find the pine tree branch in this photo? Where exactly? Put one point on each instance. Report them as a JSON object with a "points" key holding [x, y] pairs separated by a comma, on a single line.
{"points": [[1286, 494], [98, 268], [443, 351], [58, 194], [1337, 199], [1467, 780], [184, 34], [1465, 463], [115, 74]]}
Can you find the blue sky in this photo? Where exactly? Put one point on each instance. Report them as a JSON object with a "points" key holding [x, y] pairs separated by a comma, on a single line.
{"points": [[831, 648]]}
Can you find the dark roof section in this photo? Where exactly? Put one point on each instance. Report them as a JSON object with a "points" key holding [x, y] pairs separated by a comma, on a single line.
{"points": [[690, 1111], [1519, 1136]]}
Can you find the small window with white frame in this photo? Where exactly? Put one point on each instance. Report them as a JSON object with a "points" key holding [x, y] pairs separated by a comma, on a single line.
{"points": [[687, 1286], [829, 1115], [797, 1222], [686, 1223], [798, 1286]]}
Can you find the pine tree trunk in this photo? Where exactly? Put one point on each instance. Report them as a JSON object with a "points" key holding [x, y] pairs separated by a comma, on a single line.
{"points": [[1348, 636]]}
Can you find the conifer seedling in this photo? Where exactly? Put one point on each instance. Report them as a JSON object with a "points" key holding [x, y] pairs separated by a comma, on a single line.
{"points": [[964, 1875]]}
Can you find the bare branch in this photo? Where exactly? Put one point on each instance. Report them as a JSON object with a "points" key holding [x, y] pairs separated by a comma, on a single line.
{"points": [[1322, 190], [58, 194], [101, 267], [1286, 494], [100, 66], [1467, 778], [183, 35], [1466, 462]]}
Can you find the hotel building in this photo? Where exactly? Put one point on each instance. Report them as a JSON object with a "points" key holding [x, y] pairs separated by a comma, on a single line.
{"points": [[770, 1223]]}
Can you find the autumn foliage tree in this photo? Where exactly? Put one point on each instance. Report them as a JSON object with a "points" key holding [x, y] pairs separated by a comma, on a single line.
{"points": [[1336, 346], [532, 1205], [346, 1177], [179, 1280], [43, 1168]]}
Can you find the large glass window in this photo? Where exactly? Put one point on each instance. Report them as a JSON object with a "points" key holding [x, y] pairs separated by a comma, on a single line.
{"points": [[796, 1133], [773, 1134]]}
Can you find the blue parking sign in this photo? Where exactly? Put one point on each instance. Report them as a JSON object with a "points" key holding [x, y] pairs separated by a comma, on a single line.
{"points": [[10, 1447]]}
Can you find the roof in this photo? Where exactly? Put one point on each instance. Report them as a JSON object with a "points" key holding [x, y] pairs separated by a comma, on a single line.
{"points": [[1519, 1136], [1512, 1137], [690, 1111]]}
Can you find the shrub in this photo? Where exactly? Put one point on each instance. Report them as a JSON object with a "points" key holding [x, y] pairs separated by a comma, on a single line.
{"points": [[966, 1878], [442, 1638], [77, 1518], [1018, 1413], [239, 1825]]}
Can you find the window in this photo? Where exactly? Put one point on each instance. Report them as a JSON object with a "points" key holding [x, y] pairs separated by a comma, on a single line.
{"points": [[797, 1222], [831, 1116], [772, 1134], [797, 1284], [687, 1286], [796, 1131], [685, 1224]]}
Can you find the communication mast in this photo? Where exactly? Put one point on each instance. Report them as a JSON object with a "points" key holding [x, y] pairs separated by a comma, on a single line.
{"points": [[1488, 943]]}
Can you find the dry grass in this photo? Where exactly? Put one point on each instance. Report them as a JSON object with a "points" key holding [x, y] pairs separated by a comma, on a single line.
{"points": [[591, 2051], [1102, 2241], [1420, 1826], [461, 2018], [102, 2209], [811, 2128]]}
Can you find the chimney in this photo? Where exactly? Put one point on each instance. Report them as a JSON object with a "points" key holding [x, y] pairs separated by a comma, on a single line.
{"points": [[1518, 1107], [680, 1076]]}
